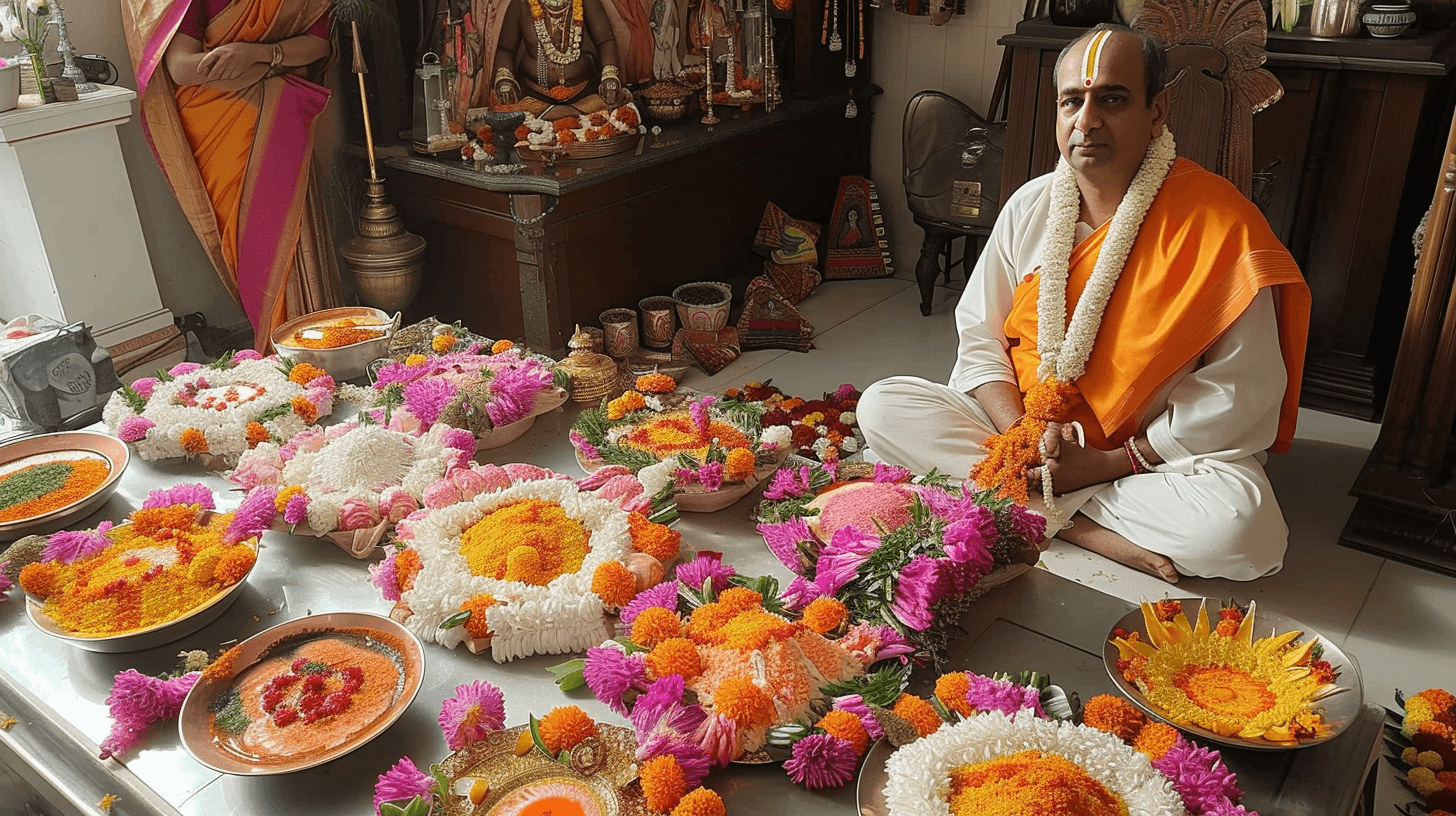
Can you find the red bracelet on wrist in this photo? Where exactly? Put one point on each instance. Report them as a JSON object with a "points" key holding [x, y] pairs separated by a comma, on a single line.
{"points": [[1134, 456]]}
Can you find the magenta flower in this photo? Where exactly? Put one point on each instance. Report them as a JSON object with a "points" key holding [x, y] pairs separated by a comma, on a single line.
{"points": [[708, 565], [513, 392], [855, 704], [698, 410], [182, 369], [711, 475], [195, 493], [821, 761], [323, 382], [428, 397], [475, 711], [589, 452], [986, 694], [459, 439], [893, 474], [800, 592], [253, 516], [789, 483], [916, 591], [296, 510], [688, 753], [683, 477], [1028, 525], [843, 393], [385, 574], [1198, 775], [246, 354], [660, 708], [840, 559], [134, 428], [144, 386], [663, 595], [135, 702], [70, 545], [402, 783], [785, 540], [883, 642], [610, 674], [718, 736], [5, 583]]}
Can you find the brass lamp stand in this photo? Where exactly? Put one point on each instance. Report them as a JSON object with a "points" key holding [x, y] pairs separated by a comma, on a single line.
{"points": [[387, 260]]}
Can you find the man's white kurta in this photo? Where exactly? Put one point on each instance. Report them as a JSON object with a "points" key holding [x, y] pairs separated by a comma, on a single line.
{"points": [[1209, 507]]}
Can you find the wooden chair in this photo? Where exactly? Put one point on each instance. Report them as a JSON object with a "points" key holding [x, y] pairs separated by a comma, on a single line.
{"points": [[1216, 53]]}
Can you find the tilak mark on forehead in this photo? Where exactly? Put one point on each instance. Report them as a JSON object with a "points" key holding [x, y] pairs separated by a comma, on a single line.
{"points": [[1092, 57]]}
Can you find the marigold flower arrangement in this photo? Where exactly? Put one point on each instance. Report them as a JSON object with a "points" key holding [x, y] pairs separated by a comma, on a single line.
{"points": [[539, 133], [222, 409], [821, 429], [354, 475], [176, 555], [909, 553], [1220, 678], [709, 444], [523, 561], [464, 389], [1429, 726], [586, 760]]}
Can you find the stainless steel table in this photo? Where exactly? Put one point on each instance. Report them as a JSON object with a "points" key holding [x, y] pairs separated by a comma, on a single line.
{"points": [[48, 761]]}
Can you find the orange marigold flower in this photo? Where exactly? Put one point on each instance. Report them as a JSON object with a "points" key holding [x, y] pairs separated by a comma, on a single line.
{"points": [[918, 713], [305, 373], [152, 520], [1167, 609], [566, 138], [522, 132], [565, 726], [407, 566], [1226, 628], [675, 656], [194, 441], [564, 123], [663, 783], [951, 690], [625, 404], [234, 564], [1155, 739], [1114, 715], [592, 134], [257, 434], [476, 624], [306, 410], [742, 701], [442, 343], [656, 383], [739, 599], [501, 345], [707, 802], [222, 667], [654, 625], [39, 579], [740, 465], [657, 540], [846, 726], [614, 583], [826, 614], [707, 620]]}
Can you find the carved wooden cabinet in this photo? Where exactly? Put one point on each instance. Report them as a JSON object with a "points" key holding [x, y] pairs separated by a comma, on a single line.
{"points": [[1342, 166]]}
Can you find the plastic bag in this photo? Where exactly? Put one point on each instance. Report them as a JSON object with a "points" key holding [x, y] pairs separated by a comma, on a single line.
{"points": [[53, 376]]}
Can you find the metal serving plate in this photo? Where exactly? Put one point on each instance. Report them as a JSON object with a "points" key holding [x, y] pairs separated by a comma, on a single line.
{"points": [[63, 445]]}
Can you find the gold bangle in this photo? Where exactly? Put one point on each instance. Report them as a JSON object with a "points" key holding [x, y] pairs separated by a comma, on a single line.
{"points": [[609, 72], [503, 73]]}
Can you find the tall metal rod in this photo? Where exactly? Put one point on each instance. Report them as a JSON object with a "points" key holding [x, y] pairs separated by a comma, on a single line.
{"points": [[360, 69]]}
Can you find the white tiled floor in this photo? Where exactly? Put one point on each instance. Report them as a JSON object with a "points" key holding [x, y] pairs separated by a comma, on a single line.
{"points": [[1399, 622]]}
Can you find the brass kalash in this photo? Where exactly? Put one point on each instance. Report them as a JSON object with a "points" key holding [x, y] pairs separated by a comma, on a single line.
{"points": [[386, 259]]}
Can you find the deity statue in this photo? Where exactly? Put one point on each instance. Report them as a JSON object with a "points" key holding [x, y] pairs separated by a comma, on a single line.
{"points": [[549, 53], [666, 63]]}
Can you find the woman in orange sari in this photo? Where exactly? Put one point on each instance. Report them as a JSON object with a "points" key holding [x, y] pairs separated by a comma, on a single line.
{"points": [[230, 112]]}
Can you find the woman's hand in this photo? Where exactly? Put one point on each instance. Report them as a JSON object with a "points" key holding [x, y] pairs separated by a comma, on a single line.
{"points": [[231, 61]]}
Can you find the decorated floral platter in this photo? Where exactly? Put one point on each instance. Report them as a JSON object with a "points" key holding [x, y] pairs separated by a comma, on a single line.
{"points": [[301, 694], [49, 481], [820, 429], [1241, 677]]}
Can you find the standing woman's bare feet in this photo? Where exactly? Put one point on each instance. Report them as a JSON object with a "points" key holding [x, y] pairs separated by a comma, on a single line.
{"points": [[1091, 536]]}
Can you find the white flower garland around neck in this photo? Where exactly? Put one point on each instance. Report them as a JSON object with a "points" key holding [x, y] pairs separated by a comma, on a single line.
{"points": [[1065, 346]]}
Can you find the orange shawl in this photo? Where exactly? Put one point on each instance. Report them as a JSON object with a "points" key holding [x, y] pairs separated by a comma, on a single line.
{"points": [[1202, 254]]}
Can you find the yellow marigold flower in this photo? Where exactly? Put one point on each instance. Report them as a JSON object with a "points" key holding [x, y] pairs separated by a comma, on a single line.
{"points": [[846, 726], [614, 583], [654, 625], [657, 540], [565, 726], [501, 345], [812, 419], [204, 565], [305, 373], [476, 624], [442, 343], [307, 411], [194, 441], [663, 784], [951, 690], [234, 565], [107, 801], [705, 802], [39, 579], [918, 713], [1423, 780], [1430, 759], [739, 465], [415, 359], [1155, 739], [706, 621], [675, 656], [1410, 756], [257, 434], [625, 404], [1114, 715], [656, 383], [742, 701], [739, 599], [824, 615], [280, 502]]}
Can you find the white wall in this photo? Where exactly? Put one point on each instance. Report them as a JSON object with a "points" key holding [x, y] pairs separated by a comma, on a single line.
{"points": [[960, 58]]}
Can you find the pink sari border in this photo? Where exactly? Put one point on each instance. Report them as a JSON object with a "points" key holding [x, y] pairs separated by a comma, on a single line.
{"points": [[285, 160], [157, 45]]}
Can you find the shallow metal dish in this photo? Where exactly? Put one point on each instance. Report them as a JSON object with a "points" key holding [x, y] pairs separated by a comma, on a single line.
{"points": [[1340, 710], [63, 445], [345, 362]]}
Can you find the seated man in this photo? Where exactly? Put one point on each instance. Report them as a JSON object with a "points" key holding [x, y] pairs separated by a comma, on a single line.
{"points": [[1180, 364], [550, 53]]}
